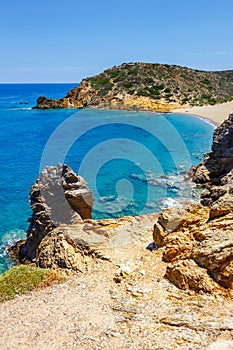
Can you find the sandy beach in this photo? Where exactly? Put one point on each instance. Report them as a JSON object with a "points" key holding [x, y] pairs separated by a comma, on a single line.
{"points": [[216, 114]]}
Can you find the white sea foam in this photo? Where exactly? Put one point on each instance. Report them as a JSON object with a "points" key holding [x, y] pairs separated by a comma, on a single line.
{"points": [[20, 109]]}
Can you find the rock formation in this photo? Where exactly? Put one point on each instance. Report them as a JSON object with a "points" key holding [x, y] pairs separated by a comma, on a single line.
{"points": [[197, 239], [79, 97], [197, 243], [215, 173], [85, 96], [59, 196], [72, 246]]}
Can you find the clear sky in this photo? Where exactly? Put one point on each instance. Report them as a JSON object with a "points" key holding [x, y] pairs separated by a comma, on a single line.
{"points": [[67, 40]]}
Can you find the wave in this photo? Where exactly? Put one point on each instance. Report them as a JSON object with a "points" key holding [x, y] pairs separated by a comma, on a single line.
{"points": [[20, 109]]}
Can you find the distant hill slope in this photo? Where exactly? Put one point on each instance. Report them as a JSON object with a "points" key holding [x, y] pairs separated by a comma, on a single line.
{"points": [[147, 86]]}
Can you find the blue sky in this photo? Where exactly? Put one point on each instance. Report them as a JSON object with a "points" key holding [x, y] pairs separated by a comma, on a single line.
{"points": [[67, 40]]}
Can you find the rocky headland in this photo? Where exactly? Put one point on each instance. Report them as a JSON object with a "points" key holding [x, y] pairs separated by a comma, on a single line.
{"points": [[146, 87], [163, 280]]}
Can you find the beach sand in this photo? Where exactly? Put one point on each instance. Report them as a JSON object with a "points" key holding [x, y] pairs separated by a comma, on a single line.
{"points": [[216, 114]]}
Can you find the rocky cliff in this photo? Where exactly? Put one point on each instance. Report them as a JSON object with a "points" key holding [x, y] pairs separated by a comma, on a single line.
{"points": [[197, 240], [215, 173], [148, 87]]}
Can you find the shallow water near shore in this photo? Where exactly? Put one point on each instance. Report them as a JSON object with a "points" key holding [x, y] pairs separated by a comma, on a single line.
{"points": [[132, 161]]}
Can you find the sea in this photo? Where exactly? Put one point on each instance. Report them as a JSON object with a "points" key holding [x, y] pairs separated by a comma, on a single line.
{"points": [[134, 162]]}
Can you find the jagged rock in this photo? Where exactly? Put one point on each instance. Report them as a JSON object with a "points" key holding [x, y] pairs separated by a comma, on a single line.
{"points": [[58, 249], [176, 237], [78, 97], [216, 171], [59, 196], [215, 253], [107, 239], [220, 161], [203, 237], [47, 103], [186, 274]]}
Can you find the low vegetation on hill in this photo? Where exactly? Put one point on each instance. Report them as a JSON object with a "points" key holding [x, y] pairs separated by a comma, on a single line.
{"points": [[147, 87], [170, 82]]}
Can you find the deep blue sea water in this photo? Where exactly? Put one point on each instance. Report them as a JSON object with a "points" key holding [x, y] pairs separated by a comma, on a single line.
{"points": [[132, 161]]}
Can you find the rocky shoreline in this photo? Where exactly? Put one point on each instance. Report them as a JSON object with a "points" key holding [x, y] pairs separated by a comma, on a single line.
{"points": [[195, 240], [84, 96], [160, 281]]}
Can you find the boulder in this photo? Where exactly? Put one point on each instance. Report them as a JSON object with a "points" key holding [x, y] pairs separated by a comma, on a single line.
{"points": [[58, 250], [186, 274]]}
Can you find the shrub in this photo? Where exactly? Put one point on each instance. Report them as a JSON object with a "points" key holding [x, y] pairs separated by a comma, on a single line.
{"points": [[114, 73], [133, 71], [131, 91], [23, 278], [149, 81], [127, 84], [120, 76], [142, 92], [212, 101], [167, 90]]}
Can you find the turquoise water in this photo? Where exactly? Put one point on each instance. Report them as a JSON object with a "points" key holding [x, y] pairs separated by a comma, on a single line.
{"points": [[132, 161]]}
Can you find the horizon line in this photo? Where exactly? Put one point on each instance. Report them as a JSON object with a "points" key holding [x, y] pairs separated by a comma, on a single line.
{"points": [[22, 83]]}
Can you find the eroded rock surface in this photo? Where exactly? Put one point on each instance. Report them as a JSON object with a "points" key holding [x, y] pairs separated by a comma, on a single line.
{"points": [[71, 246], [216, 171], [59, 196], [197, 242]]}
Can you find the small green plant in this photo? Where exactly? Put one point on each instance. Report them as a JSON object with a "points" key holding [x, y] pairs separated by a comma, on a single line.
{"points": [[23, 278], [142, 92], [149, 81], [120, 76], [133, 71], [212, 101], [167, 90], [205, 81], [114, 73], [131, 91], [127, 84]]}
